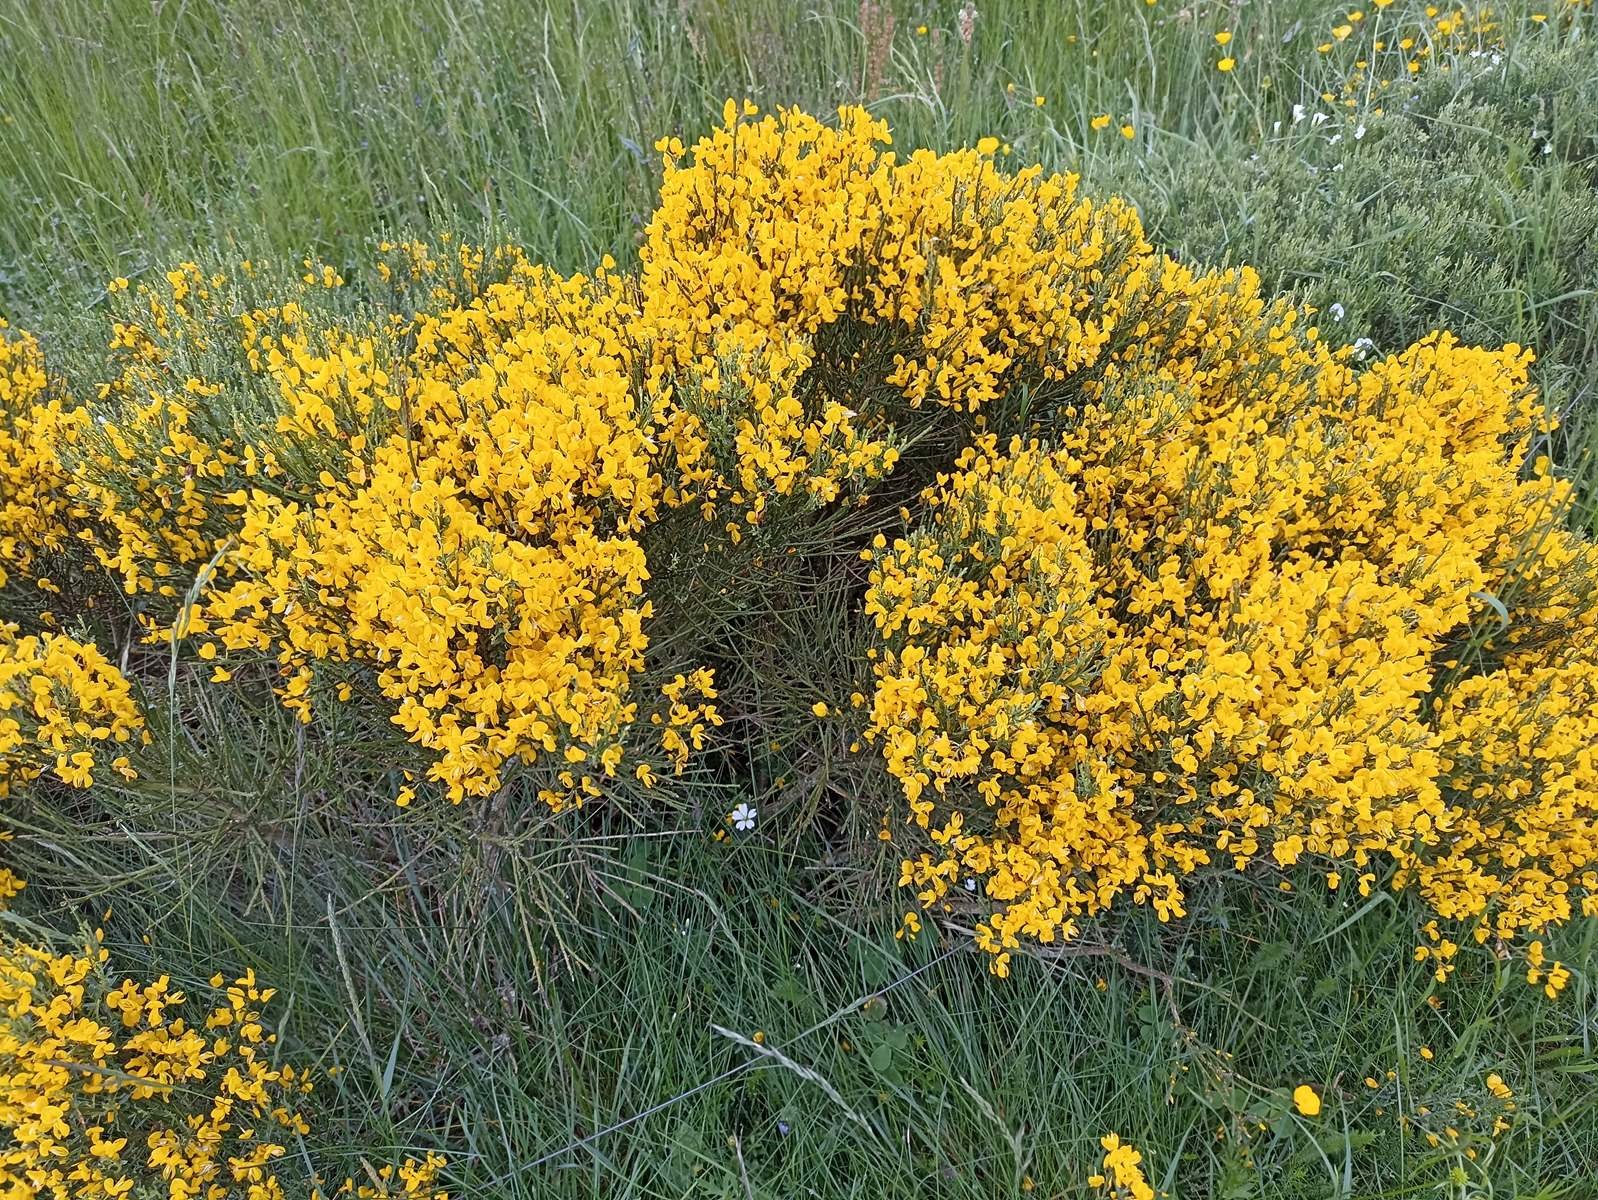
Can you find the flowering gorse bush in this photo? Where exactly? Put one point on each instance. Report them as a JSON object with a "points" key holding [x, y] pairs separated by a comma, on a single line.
{"points": [[1147, 578], [1303, 610], [109, 1090], [103, 1087], [462, 545], [480, 558]]}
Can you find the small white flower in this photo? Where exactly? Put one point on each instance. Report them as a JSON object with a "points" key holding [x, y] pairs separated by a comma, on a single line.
{"points": [[1364, 347], [970, 885], [1336, 137], [1299, 113], [1360, 132], [1336, 310], [1319, 119], [743, 818]]}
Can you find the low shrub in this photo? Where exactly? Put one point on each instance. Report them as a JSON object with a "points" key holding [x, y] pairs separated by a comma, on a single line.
{"points": [[1156, 579], [1229, 618], [112, 1090]]}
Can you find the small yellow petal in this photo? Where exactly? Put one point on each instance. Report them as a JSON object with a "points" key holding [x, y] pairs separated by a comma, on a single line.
{"points": [[1307, 1100]]}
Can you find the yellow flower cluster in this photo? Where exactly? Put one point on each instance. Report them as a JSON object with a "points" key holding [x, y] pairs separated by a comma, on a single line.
{"points": [[62, 704], [413, 1177], [219, 383], [939, 276], [1121, 1177], [1248, 601], [740, 440], [11, 884], [112, 1091], [107, 1089], [448, 273], [34, 507]]}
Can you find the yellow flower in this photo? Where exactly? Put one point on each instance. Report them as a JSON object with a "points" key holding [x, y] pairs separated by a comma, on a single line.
{"points": [[1226, 64], [1223, 37], [1307, 1100], [1102, 121], [1122, 1171]]}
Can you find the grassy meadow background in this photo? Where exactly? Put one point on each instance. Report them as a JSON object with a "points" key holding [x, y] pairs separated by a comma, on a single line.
{"points": [[599, 1013]]}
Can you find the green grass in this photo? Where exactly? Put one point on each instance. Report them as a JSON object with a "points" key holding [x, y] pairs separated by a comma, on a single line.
{"points": [[132, 127], [569, 1009], [132, 133], [610, 1052]]}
